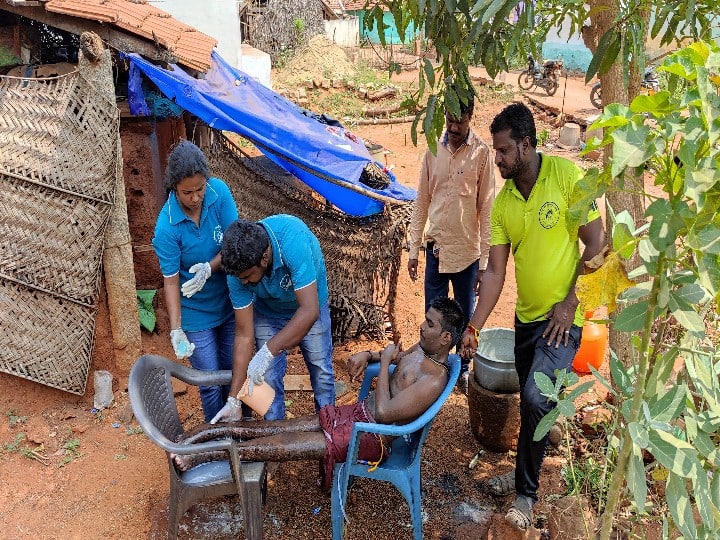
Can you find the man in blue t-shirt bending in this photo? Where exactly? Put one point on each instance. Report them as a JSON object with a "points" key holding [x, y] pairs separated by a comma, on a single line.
{"points": [[278, 288]]}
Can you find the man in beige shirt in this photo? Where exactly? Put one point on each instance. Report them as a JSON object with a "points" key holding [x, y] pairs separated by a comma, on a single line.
{"points": [[456, 190]]}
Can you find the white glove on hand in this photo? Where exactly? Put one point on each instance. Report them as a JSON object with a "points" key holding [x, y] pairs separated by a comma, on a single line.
{"points": [[258, 366], [182, 346], [231, 411], [202, 272]]}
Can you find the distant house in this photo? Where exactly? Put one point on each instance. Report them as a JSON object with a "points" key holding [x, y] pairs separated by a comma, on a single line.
{"points": [[253, 34], [356, 8]]}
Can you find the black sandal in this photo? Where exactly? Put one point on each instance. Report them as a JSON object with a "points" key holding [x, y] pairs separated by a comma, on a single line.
{"points": [[520, 514], [503, 484]]}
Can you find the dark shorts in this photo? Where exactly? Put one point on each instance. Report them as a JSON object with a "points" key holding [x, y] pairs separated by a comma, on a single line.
{"points": [[337, 424]]}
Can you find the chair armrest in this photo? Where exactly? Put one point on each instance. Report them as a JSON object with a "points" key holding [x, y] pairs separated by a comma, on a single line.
{"points": [[201, 378], [371, 372], [155, 435]]}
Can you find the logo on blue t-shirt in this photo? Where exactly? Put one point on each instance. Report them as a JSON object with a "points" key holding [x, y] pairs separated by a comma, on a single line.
{"points": [[218, 235], [549, 215], [286, 282]]}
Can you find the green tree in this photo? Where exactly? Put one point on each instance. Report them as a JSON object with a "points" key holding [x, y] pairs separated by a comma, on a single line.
{"points": [[678, 422], [471, 32]]}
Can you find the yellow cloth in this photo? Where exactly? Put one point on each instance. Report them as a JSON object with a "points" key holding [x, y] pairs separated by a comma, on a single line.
{"points": [[546, 258], [455, 195]]}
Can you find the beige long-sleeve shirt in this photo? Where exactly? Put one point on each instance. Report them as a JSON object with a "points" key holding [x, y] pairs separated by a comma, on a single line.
{"points": [[455, 195]]}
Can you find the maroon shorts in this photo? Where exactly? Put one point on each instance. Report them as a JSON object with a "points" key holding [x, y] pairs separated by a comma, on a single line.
{"points": [[337, 424]]}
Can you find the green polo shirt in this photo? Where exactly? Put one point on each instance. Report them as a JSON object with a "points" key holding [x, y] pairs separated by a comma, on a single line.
{"points": [[546, 257]]}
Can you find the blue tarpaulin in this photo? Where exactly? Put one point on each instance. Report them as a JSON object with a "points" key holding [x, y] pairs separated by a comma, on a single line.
{"points": [[328, 158]]}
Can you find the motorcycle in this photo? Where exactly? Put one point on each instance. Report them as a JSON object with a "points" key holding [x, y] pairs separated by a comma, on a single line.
{"points": [[649, 85], [546, 76]]}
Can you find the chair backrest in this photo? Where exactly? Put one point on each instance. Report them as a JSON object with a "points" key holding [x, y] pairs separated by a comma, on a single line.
{"points": [[153, 401], [416, 439], [152, 398]]}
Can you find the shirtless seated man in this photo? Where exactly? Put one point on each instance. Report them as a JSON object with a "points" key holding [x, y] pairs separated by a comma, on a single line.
{"points": [[399, 398]]}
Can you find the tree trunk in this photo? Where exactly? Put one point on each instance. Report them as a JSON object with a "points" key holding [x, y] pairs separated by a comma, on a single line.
{"points": [[615, 91]]}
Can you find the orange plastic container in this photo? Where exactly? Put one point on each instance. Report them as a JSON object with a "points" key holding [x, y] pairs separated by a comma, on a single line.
{"points": [[593, 346]]}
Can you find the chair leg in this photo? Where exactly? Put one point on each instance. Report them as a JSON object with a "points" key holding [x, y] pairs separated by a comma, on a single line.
{"points": [[176, 506], [253, 479], [338, 499], [415, 502]]}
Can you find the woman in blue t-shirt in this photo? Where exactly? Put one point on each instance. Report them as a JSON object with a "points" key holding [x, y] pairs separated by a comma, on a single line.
{"points": [[188, 236]]}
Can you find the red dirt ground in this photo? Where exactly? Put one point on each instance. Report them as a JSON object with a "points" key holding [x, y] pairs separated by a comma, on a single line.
{"points": [[114, 484]]}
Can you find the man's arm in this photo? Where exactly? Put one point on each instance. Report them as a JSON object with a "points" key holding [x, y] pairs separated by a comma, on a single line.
{"points": [[300, 323], [243, 347], [562, 314], [483, 204], [358, 362], [491, 286], [409, 403], [419, 217]]}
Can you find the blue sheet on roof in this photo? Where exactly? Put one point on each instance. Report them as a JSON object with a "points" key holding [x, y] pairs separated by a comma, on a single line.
{"points": [[317, 153]]}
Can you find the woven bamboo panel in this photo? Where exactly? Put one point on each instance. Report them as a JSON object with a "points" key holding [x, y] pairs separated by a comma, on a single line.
{"points": [[50, 240], [58, 170], [362, 255], [45, 339], [57, 132]]}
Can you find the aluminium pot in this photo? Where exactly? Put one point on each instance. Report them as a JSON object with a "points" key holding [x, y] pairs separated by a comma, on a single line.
{"points": [[494, 362]]}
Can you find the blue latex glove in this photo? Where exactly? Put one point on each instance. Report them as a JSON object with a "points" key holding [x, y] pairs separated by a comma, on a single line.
{"points": [[202, 272], [258, 366], [181, 344]]}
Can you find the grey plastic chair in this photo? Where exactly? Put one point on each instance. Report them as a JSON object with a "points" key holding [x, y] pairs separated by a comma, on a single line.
{"points": [[154, 405]]}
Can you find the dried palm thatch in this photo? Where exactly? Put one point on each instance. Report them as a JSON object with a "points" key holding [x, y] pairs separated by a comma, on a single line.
{"points": [[58, 157], [362, 255]]}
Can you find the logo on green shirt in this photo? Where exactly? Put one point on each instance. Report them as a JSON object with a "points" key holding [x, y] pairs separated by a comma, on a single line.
{"points": [[548, 215]]}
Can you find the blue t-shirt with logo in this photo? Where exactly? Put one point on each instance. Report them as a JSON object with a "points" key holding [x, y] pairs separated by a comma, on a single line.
{"points": [[179, 243], [297, 262]]}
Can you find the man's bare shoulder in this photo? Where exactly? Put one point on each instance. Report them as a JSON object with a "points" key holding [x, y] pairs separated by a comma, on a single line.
{"points": [[414, 367]]}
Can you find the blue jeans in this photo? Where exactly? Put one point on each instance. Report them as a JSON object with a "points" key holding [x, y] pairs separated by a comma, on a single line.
{"points": [[213, 351], [533, 354], [316, 348], [463, 283]]}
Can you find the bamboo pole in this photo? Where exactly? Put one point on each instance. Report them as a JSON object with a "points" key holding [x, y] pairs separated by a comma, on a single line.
{"points": [[385, 121], [95, 65]]}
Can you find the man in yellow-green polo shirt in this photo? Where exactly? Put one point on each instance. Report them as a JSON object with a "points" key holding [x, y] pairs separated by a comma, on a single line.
{"points": [[528, 217]]}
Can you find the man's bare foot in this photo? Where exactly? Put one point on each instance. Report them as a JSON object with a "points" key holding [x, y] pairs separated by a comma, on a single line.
{"points": [[182, 462]]}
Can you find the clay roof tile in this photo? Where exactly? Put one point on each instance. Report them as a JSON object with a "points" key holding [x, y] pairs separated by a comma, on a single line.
{"points": [[191, 47]]}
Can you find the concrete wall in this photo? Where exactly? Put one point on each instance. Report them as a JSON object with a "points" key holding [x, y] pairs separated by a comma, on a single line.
{"points": [[217, 18], [255, 63], [392, 37], [343, 32]]}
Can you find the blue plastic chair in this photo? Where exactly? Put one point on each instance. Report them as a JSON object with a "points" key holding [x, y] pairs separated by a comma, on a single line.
{"points": [[402, 468]]}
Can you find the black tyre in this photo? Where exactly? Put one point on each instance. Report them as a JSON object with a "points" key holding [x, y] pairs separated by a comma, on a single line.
{"points": [[596, 96], [526, 80], [552, 85]]}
